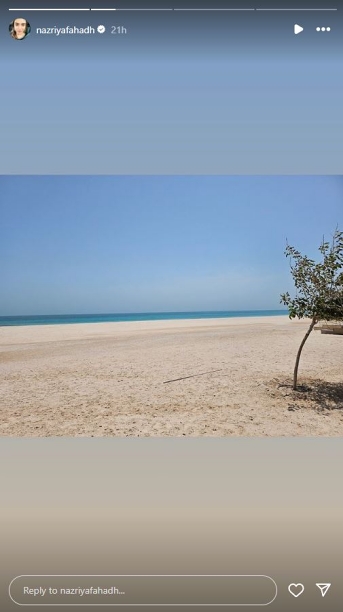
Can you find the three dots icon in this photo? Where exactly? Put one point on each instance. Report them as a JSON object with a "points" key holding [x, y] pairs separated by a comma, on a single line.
{"points": [[322, 29]]}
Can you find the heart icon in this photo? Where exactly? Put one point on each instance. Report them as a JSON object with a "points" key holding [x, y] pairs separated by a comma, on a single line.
{"points": [[296, 589]]}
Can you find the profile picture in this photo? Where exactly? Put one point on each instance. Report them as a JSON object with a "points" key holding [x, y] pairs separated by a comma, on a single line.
{"points": [[19, 28]]}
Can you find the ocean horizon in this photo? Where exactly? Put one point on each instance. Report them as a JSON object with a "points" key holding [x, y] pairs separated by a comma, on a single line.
{"points": [[21, 320]]}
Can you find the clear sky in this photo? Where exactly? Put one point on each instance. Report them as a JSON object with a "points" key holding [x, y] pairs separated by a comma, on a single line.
{"points": [[73, 245]]}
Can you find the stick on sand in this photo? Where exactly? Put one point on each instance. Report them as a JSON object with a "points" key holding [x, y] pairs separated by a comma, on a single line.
{"points": [[192, 376]]}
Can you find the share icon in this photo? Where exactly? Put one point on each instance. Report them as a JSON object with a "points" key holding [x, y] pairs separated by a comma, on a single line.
{"points": [[323, 587]]}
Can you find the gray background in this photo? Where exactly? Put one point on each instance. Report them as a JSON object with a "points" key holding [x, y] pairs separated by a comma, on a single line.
{"points": [[194, 92], [201, 506]]}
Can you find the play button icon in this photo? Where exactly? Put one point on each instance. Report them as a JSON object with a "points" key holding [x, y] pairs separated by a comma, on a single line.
{"points": [[297, 28]]}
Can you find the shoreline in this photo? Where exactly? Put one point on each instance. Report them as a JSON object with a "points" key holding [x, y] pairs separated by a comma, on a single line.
{"points": [[43, 320], [71, 331]]}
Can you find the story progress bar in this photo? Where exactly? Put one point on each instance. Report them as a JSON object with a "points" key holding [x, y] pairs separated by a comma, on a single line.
{"points": [[172, 9]]}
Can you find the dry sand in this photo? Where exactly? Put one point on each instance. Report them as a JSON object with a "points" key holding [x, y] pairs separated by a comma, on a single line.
{"points": [[109, 379]]}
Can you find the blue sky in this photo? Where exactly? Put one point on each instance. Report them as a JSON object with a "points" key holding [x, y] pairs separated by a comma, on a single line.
{"points": [[135, 244]]}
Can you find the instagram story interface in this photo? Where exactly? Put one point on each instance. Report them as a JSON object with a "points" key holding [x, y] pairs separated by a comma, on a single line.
{"points": [[171, 312]]}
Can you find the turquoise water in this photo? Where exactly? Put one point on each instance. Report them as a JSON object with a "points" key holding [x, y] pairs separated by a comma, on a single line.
{"points": [[138, 316]]}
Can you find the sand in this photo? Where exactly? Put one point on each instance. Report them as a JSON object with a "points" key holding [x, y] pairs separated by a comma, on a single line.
{"points": [[110, 379]]}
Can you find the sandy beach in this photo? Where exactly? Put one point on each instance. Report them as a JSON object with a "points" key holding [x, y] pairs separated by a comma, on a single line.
{"points": [[203, 377]]}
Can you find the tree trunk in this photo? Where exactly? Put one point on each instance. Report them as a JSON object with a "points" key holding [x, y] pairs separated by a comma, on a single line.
{"points": [[295, 374]]}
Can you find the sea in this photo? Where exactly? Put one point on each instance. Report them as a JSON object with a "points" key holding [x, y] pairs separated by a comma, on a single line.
{"points": [[136, 316]]}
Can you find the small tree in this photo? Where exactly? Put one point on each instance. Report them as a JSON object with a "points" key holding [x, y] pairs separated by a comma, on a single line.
{"points": [[319, 287]]}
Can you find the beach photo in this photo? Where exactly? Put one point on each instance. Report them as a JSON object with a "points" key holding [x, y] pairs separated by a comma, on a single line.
{"points": [[153, 306]]}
